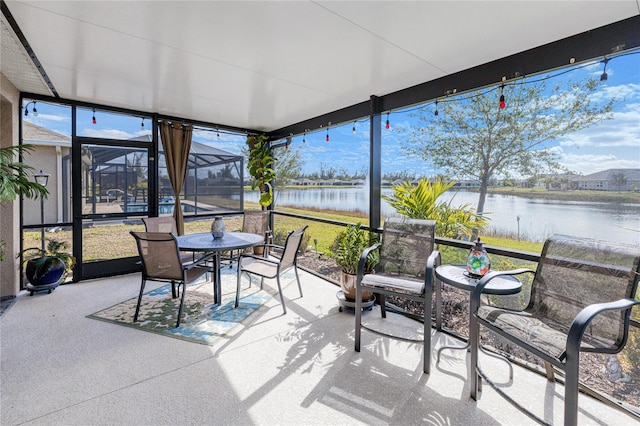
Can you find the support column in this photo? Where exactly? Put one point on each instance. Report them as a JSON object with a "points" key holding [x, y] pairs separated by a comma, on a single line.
{"points": [[375, 161]]}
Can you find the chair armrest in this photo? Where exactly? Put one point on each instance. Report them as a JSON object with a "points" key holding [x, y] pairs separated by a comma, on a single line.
{"points": [[275, 246], [429, 272], [198, 262], [363, 260], [264, 259], [584, 317]]}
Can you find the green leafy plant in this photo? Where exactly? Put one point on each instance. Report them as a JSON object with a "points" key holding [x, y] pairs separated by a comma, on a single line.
{"points": [[260, 165], [45, 258], [421, 202], [348, 246], [14, 179]]}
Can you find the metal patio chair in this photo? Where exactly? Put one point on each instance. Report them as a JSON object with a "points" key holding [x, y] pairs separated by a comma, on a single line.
{"points": [[254, 222], [161, 262], [268, 267], [581, 299], [160, 224], [405, 270]]}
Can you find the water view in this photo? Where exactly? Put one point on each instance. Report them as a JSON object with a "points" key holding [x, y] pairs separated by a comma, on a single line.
{"points": [[534, 219]]}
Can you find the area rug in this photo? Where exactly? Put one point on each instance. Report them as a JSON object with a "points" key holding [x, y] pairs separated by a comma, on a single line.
{"points": [[202, 321]]}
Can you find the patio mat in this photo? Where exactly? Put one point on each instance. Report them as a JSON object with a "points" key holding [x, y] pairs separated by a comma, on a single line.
{"points": [[202, 322]]}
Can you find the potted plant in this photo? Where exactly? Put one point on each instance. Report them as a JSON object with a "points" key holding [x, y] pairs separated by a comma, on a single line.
{"points": [[347, 249], [260, 167], [14, 179], [45, 269]]}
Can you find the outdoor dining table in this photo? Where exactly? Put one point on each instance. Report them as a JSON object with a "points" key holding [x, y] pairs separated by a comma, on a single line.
{"points": [[205, 243]]}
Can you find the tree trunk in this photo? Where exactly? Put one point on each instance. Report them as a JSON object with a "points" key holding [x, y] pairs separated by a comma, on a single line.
{"points": [[484, 183]]}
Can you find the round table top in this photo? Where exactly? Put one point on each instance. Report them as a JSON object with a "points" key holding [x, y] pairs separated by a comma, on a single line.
{"points": [[229, 241], [456, 275]]}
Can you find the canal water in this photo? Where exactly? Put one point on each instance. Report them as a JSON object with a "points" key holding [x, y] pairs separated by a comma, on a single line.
{"points": [[534, 219]]}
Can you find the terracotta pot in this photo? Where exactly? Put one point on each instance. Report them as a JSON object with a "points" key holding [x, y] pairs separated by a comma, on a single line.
{"points": [[348, 285]]}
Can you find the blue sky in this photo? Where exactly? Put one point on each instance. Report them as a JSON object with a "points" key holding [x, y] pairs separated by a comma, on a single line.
{"points": [[612, 144]]}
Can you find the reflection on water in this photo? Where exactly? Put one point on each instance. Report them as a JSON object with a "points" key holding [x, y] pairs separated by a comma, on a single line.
{"points": [[538, 218]]}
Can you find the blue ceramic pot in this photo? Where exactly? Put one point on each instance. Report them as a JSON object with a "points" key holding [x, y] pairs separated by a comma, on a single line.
{"points": [[44, 270]]}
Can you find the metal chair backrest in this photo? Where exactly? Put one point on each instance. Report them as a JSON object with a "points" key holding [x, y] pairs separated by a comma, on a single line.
{"points": [[291, 247], [406, 246], [256, 222], [159, 254], [576, 272], [160, 224]]}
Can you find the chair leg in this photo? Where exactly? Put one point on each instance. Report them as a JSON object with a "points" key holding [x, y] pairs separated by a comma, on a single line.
{"points": [[358, 315], [426, 366], [571, 391], [298, 280], [284, 308], [184, 291], [174, 293], [239, 279], [383, 306], [142, 284]]}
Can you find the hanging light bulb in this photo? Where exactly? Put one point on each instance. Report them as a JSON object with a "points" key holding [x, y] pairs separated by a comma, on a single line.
{"points": [[387, 125], [304, 137], [502, 102], [436, 111], [353, 129], [604, 76], [327, 137], [218, 133], [93, 119], [142, 124], [34, 110]]}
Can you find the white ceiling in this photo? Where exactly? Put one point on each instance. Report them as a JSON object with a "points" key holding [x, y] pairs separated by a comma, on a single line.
{"points": [[263, 65]]}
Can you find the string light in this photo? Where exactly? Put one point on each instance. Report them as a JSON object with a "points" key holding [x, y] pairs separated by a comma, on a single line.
{"points": [[304, 137], [142, 124], [604, 76], [33, 110], [525, 80], [93, 119], [218, 132]]}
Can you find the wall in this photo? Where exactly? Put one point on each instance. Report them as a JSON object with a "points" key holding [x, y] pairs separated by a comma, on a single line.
{"points": [[9, 211]]}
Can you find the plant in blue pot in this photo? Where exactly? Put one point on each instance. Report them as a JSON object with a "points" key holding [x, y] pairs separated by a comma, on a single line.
{"points": [[478, 262], [47, 267]]}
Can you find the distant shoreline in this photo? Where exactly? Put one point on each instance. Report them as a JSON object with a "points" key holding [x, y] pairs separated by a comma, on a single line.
{"points": [[569, 195]]}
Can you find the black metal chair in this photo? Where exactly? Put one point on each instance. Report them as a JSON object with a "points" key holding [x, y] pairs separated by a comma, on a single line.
{"points": [[581, 298], [406, 254], [268, 267], [161, 262]]}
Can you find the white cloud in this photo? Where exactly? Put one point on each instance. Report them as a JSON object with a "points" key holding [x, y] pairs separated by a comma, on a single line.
{"points": [[591, 163], [106, 133], [45, 117]]}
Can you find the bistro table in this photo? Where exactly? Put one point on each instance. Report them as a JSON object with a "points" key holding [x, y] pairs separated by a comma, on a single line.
{"points": [[205, 243], [456, 276]]}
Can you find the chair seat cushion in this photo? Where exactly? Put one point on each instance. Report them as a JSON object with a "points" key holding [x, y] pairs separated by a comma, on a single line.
{"points": [[547, 336], [259, 267], [400, 284]]}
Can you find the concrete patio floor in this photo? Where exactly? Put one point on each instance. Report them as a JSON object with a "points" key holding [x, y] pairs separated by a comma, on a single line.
{"points": [[60, 368]]}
